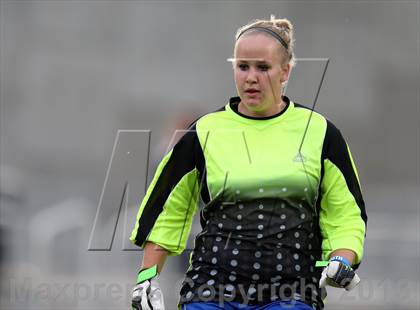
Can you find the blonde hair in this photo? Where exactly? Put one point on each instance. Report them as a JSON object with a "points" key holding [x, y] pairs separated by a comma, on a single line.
{"points": [[283, 27]]}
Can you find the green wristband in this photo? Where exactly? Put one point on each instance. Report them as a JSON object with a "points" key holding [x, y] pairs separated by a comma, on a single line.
{"points": [[147, 274], [321, 263]]}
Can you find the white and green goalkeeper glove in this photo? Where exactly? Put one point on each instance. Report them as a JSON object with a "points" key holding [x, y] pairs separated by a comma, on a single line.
{"points": [[147, 294], [338, 273]]}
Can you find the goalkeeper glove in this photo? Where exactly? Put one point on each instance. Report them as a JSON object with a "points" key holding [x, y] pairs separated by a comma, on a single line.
{"points": [[339, 273], [147, 294]]}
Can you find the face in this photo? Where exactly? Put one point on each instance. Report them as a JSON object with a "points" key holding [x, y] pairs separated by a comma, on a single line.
{"points": [[259, 73]]}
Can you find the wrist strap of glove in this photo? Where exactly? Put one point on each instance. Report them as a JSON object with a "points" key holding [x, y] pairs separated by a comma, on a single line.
{"points": [[340, 259], [146, 274]]}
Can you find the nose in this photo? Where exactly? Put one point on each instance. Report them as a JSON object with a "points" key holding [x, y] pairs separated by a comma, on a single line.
{"points": [[252, 76]]}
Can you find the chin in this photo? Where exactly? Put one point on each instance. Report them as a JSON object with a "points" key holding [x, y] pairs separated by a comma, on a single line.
{"points": [[254, 104]]}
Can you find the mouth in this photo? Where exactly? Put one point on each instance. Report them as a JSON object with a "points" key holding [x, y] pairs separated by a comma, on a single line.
{"points": [[252, 91]]}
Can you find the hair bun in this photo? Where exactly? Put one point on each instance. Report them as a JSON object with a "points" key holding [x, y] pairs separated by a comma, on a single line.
{"points": [[283, 24]]}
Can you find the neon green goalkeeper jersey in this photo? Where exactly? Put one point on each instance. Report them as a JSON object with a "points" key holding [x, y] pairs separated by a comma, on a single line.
{"points": [[279, 193]]}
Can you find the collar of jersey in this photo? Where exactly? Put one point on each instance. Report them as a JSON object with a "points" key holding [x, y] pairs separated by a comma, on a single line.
{"points": [[279, 116]]}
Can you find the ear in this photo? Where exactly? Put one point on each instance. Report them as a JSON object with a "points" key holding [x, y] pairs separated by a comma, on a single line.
{"points": [[285, 71]]}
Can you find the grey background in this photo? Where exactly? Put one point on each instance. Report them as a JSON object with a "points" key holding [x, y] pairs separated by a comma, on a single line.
{"points": [[74, 72]]}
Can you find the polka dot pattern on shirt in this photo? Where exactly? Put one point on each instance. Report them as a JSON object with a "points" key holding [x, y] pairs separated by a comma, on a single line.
{"points": [[254, 242]]}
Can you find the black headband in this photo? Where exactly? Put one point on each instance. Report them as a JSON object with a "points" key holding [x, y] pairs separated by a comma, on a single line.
{"points": [[269, 31]]}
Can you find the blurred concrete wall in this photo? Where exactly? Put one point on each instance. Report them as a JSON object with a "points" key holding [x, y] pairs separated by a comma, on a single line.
{"points": [[74, 72]]}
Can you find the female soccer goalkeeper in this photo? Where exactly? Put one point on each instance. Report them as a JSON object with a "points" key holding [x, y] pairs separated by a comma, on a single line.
{"points": [[280, 190]]}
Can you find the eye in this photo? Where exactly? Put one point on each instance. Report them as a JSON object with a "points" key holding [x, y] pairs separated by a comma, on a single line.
{"points": [[263, 67], [242, 66]]}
